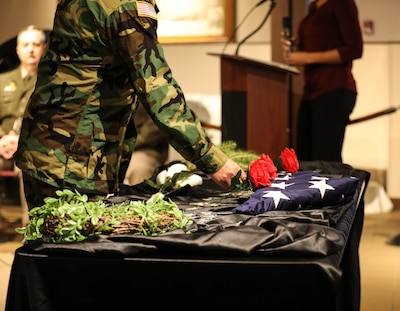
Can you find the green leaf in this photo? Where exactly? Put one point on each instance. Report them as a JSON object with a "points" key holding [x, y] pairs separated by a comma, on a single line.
{"points": [[278, 164], [152, 184], [235, 182]]}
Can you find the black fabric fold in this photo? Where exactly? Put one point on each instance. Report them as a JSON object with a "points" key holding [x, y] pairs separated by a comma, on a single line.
{"points": [[304, 259], [216, 231]]}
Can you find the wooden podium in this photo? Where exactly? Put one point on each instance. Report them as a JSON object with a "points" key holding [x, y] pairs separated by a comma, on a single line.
{"points": [[255, 103]]}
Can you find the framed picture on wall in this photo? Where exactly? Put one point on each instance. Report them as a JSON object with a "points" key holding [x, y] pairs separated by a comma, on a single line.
{"points": [[189, 21]]}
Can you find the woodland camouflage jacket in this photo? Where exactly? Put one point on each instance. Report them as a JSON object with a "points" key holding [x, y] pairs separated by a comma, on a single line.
{"points": [[101, 55]]}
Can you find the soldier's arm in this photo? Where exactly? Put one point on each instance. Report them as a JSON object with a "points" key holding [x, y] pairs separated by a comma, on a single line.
{"points": [[161, 94]]}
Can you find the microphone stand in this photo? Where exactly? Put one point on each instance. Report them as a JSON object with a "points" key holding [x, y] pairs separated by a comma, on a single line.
{"points": [[240, 24], [272, 6]]}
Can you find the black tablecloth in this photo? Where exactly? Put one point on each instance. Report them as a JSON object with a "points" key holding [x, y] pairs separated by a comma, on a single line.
{"points": [[306, 260]]}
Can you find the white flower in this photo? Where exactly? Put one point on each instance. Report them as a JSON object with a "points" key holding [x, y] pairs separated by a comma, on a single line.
{"points": [[175, 168], [193, 180]]}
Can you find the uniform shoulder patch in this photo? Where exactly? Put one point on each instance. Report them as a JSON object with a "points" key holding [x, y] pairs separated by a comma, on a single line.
{"points": [[146, 9]]}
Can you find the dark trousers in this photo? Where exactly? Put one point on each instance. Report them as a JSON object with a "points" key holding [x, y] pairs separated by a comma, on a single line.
{"points": [[321, 126]]}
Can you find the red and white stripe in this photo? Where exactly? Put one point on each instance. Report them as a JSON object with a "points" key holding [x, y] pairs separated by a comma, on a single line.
{"points": [[146, 9]]}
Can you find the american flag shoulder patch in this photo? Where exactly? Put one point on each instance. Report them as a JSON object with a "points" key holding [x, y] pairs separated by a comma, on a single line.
{"points": [[146, 9]]}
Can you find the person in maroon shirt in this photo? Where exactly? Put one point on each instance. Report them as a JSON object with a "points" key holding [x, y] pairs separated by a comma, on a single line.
{"points": [[329, 39]]}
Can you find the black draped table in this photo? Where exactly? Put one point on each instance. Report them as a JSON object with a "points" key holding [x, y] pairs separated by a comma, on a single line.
{"points": [[278, 260]]}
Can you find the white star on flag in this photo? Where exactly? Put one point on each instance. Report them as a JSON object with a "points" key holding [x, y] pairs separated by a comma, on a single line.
{"points": [[284, 177], [322, 186], [319, 177], [276, 195], [281, 185]]}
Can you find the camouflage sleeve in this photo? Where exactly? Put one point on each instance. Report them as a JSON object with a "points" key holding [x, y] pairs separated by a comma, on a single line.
{"points": [[157, 89]]}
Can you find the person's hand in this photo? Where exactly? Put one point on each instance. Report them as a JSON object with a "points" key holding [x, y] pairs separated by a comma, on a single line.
{"points": [[224, 176], [297, 58], [290, 54], [8, 145], [288, 44]]}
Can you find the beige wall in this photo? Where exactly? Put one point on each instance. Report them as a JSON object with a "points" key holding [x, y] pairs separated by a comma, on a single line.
{"points": [[16, 14], [374, 144], [367, 143], [394, 123]]}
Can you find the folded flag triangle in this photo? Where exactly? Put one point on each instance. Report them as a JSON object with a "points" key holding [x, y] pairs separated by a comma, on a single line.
{"points": [[300, 190]]}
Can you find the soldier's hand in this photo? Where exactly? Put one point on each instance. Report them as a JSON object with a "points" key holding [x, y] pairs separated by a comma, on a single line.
{"points": [[224, 176]]}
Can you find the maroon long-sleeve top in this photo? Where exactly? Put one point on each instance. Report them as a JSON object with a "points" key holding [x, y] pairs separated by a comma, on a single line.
{"points": [[334, 25]]}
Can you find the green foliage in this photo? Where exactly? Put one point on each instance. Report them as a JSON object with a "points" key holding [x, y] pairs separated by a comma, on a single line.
{"points": [[71, 217], [241, 156], [241, 186]]}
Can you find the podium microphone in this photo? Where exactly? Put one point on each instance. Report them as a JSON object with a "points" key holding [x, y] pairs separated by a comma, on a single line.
{"points": [[273, 3], [287, 31], [240, 24]]}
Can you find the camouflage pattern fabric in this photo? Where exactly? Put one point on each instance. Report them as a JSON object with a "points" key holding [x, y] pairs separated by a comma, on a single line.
{"points": [[102, 56]]}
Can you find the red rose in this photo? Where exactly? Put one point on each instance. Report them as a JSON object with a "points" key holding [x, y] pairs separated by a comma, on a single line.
{"points": [[262, 171], [289, 160]]}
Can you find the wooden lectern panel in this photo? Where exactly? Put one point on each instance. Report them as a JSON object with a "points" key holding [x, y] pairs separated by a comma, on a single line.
{"points": [[267, 112], [255, 104]]}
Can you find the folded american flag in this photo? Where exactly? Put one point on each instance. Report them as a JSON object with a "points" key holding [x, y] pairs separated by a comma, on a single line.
{"points": [[300, 190]]}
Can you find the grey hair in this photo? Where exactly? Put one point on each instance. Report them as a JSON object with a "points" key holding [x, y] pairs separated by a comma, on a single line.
{"points": [[32, 28]]}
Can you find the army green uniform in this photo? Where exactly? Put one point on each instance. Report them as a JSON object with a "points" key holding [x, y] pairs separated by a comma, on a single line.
{"points": [[75, 133], [14, 95]]}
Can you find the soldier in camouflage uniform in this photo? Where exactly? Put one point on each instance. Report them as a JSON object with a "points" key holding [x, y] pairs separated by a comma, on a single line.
{"points": [[102, 55]]}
